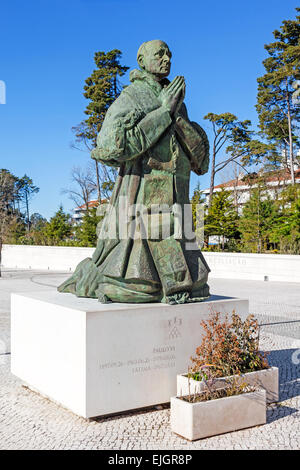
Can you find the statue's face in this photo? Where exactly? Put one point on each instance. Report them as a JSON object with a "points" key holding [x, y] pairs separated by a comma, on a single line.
{"points": [[157, 59]]}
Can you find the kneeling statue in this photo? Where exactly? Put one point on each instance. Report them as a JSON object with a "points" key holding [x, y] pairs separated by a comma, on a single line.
{"points": [[148, 135]]}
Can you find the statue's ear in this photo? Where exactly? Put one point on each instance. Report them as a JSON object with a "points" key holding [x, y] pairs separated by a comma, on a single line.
{"points": [[140, 61]]}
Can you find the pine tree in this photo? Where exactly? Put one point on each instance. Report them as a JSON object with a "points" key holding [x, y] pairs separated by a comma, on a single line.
{"points": [[222, 219], [285, 230], [26, 190], [257, 219], [101, 89], [86, 233], [59, 229], [278, 113]]}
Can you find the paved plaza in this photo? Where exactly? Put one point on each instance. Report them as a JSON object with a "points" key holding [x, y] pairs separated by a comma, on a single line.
{"points": [[30, 421]]}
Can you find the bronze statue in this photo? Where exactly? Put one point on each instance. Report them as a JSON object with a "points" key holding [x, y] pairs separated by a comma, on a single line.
{"points": [[148, 135]]}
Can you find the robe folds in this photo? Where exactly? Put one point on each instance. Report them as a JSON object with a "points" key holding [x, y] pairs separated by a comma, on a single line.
{"points": [[155, 153]]}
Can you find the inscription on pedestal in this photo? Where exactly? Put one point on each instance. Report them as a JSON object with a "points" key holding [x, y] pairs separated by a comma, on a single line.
{"points": [[161, 357]]}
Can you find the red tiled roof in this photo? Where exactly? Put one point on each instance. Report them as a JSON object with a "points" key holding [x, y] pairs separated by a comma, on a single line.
{"points": [[91, 204], [281, 175]]}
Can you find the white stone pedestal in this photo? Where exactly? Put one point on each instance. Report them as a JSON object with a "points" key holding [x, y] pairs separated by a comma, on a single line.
{"points": [[99, 359]]}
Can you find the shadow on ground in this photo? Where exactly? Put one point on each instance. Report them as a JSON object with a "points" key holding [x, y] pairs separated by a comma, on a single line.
{"points": [[288, 362], [278, 411]]}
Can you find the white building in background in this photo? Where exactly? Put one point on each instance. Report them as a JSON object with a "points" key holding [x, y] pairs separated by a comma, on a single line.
{"points": [[80, 211], [241, 190]]}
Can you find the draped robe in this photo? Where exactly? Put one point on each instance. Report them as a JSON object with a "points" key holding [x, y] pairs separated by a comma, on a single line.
{"points": [[155, 153]]}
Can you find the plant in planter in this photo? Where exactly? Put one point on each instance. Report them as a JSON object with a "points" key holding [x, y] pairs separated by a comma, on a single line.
{"points": [[231, 347], [237, 405]]}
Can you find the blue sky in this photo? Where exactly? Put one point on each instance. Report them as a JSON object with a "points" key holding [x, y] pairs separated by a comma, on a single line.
{"points": [[47, 49]]}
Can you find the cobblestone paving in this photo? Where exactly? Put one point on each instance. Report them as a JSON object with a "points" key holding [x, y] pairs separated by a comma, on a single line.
{"points": [[30, 421], [276, 305]]}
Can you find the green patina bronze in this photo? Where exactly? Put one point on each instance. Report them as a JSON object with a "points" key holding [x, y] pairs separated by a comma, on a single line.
{"points": [[148, 135]]}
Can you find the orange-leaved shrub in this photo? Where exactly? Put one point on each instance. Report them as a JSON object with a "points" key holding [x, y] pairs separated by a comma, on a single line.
{"points": [[229, 345]]}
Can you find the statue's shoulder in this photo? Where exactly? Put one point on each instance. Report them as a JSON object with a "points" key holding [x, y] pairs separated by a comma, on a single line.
{"points": [[134, 91], [134, 102], [124, 100], [128, 101], [119, 108], [124, 113]]}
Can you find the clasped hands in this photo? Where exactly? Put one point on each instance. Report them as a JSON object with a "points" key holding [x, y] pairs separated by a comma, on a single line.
{"points": [[173, 95]]}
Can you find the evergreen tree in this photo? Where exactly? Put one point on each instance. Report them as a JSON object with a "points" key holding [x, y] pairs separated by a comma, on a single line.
{"points": [[278, 113], [285, 230], [86, 233], [26, 190], [256, 221], [59, 229], [101, 89], [222, 219]]}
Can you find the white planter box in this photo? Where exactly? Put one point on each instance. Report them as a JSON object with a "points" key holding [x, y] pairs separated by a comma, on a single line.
{"points": [[267, 379], [203, 419]]}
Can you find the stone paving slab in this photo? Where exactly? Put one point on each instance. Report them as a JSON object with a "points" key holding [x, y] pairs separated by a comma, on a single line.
{"points": [[265, 298]]}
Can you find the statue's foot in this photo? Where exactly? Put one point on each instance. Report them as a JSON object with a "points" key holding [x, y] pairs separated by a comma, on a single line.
{"points": [[197, 299], [197, 295], [200, 294], [103, 299], [177, 298]]}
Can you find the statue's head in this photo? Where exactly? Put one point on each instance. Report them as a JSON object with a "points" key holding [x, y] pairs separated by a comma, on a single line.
{"points": [[155, 57]]}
